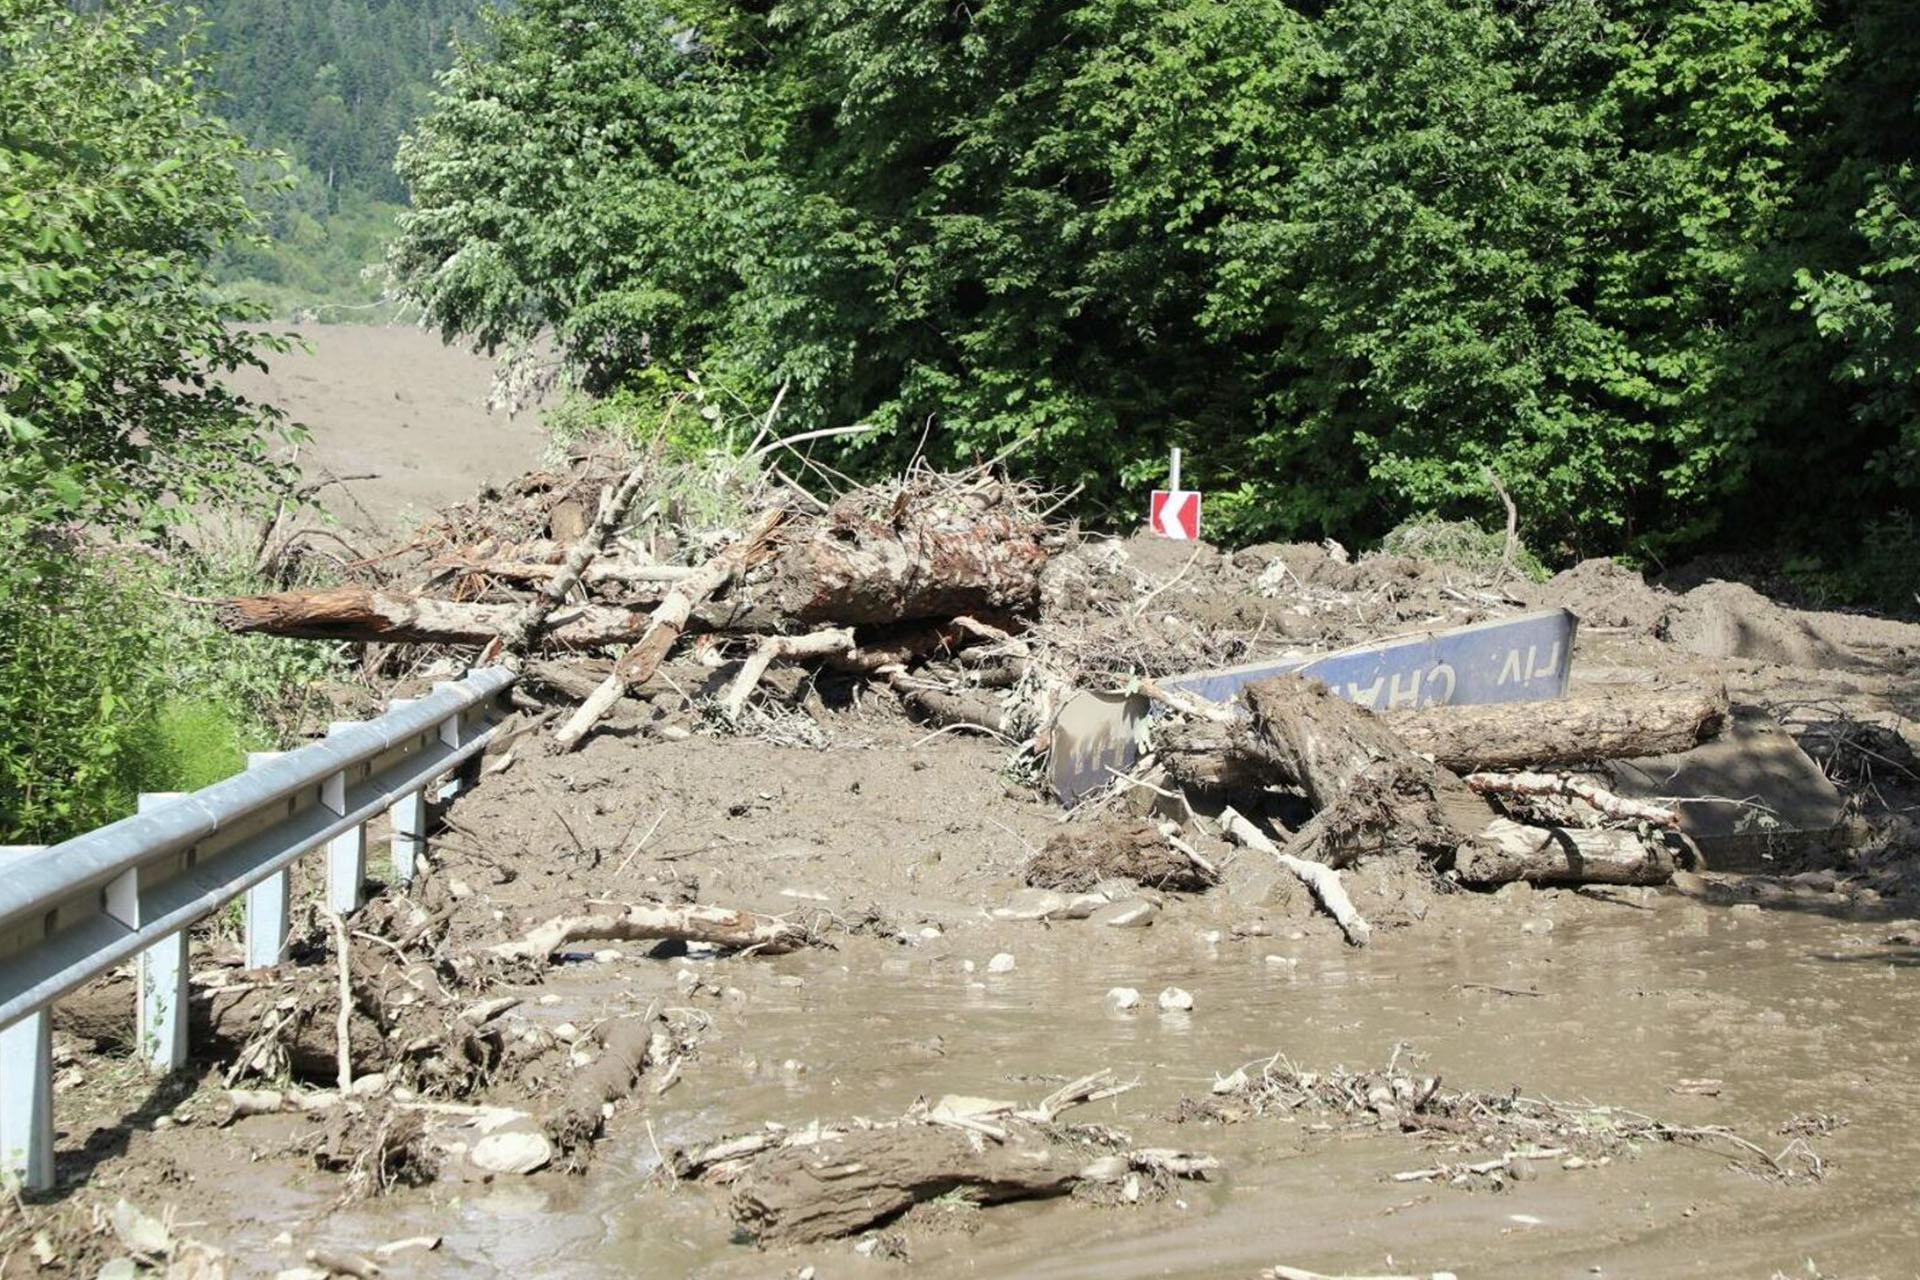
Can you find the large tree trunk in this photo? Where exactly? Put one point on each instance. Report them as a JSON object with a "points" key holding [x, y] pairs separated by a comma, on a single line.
{"points": [[933, 554], [1509, 851], [1371, 792], [1614, 722], [1606, 723], [389, 617]]}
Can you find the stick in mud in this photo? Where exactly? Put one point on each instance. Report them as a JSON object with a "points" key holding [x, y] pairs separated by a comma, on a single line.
{"points": [[1321, 880], [652, 921], [819, 644], [669, 620]]}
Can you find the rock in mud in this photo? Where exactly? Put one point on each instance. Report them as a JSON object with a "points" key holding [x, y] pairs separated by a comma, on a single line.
{"points": [[1137, 914], [1002, 963], [509, 1153], [1078, 859], [1123, 998], [1176, 1000]]}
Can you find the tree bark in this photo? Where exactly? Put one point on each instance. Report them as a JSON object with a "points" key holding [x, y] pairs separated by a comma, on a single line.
{"points": [[1371, 792], [1614, 722], [1508, 851], [649, 921]]}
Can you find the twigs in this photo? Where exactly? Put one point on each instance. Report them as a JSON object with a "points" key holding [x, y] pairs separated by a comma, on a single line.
{"points": [[1321, 880], [343, 1026], [668, 621], [1549, 784]]}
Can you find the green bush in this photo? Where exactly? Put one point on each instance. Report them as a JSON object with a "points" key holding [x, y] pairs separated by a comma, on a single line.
{"points": [[109, 687], [1462, 544]]}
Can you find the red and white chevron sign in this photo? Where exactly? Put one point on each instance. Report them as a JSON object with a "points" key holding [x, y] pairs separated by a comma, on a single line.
{"points": [[1175, 513]]}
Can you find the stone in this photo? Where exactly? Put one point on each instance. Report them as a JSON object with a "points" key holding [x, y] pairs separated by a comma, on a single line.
{"points": [[1175, 1000], [509, 1153], [1123, 998], [1137, 914], [1001, 963], [1032, 904]]}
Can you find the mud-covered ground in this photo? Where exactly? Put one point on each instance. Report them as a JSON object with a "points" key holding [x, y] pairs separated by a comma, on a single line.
{"points": [[1781, 1006]]}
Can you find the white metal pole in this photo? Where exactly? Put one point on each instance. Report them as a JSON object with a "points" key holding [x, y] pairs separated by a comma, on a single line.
{"points": [[269, 904], [1173, 473], [26, 1084], [162, 1021]]}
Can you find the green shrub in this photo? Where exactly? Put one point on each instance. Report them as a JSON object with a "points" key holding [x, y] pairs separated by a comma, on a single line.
{"points": [[110, 686], [1459, 543]]}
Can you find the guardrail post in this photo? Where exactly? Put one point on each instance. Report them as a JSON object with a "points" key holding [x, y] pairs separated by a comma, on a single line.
{"points": [[408, 819], [26, 1085], [466, 776], [162, 1019], [269, 904], [346, 852]]}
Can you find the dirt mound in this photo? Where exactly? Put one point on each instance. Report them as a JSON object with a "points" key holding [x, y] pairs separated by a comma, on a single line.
{"points": [[1603, 593], [1077, 860], [1732, 620]]}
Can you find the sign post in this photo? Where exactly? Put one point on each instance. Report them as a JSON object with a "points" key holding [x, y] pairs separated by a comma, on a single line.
{"points": [[1174, 512]]}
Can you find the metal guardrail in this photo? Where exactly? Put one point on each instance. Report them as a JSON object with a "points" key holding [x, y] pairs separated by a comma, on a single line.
{"points": [[71, 912]]}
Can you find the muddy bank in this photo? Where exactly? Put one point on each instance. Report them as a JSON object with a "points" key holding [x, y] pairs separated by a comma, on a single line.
{"points": [[838, 918]]}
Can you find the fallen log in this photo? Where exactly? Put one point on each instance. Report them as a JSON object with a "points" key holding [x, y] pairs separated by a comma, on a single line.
{"points": [[387, 617], [1321, 880], [1602, 723], [818, 644], [1612, 722], [652, 921], [223, 1022], [1507, 851], [663, 630], [1591, 793], [629, 1046], [1371, 792]]}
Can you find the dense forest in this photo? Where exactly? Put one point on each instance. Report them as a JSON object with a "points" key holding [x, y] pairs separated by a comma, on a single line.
{"points": [[1655, 264], [333, 87]]}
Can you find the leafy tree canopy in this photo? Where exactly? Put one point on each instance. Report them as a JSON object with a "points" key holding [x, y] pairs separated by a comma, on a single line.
{"points": [[1652, 263], [115, 186]]}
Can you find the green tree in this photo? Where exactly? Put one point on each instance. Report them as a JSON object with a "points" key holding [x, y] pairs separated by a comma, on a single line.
{"points": [[115, 187]]}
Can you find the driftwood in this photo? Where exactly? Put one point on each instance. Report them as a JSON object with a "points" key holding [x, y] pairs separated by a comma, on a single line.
{"points": [[1321, 880], [629, 1046], [1508, 851], [1593, 794], [819, 644], [805, 1194], [520, 632], [1604, 723], [664, 630], [650, 921]]}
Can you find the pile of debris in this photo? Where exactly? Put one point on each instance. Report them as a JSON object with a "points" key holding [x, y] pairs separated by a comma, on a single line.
{"points": [[955, 593]]}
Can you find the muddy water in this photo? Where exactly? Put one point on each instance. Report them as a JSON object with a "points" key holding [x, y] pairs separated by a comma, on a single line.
{"points": [[1636, 994]]}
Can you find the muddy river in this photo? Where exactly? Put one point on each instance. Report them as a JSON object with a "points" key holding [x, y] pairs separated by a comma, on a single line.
{"points": [[1794, 1013]]}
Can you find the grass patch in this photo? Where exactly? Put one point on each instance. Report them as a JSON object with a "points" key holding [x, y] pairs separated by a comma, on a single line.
{"points": [[1461, 544]]}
